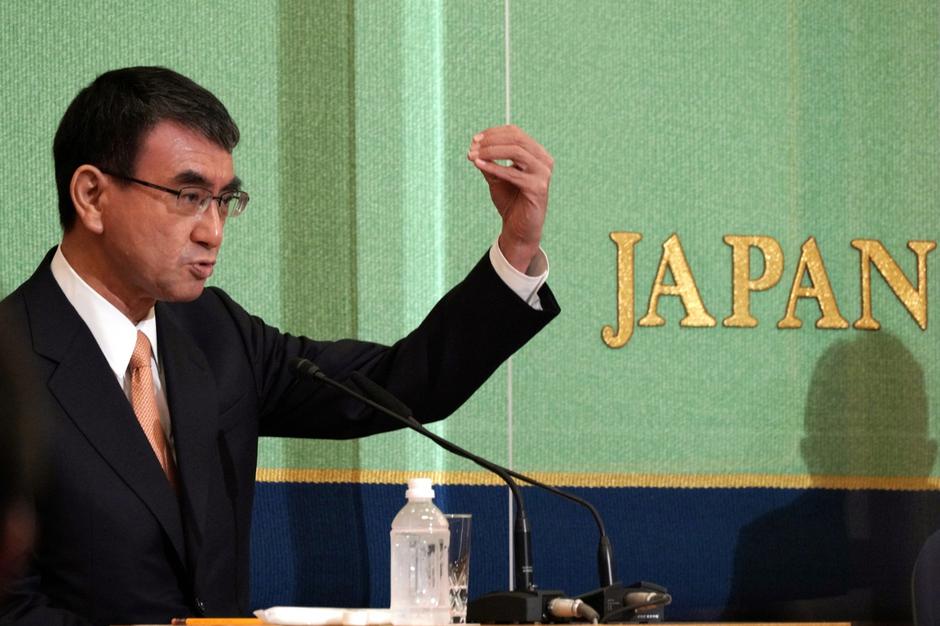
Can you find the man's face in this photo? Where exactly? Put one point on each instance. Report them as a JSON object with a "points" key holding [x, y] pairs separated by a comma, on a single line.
{"points": [[155, 251]]}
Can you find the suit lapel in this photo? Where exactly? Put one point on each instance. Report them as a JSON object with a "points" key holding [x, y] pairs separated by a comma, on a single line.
{"points": [[91, 397], [193, 403]]}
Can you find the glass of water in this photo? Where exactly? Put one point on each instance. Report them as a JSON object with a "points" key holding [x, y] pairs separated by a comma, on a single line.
{"points": [[458, 563]]}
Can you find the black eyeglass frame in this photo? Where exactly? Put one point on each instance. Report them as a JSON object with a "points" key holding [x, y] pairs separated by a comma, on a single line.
{"points": [[227, 196]]}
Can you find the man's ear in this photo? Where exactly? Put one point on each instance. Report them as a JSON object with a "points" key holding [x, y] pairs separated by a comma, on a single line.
{"points": [[88, 183]]}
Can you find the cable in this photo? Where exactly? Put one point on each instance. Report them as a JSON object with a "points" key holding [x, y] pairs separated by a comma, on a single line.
{"points": [[636, 601], [570, 607]]}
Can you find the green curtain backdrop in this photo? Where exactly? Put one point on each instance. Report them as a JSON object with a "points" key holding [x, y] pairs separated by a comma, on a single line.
{"points": [[685, 123], [787, 120]]}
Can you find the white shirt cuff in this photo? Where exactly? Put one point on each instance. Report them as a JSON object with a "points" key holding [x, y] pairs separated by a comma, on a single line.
{"points": [[525, 285]]}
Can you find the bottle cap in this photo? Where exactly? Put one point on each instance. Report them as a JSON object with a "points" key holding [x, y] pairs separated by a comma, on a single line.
{"points": [[419, 488]]}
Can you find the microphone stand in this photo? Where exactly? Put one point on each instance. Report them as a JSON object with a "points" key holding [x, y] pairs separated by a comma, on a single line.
{"points": [[612, 602], [526, 604]]}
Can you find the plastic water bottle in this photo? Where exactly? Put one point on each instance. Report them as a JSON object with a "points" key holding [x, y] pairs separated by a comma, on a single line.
{"points": [[420, 586]]}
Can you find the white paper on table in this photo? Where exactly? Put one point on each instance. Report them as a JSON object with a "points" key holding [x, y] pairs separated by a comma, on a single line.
{"points": [[323, 616]]}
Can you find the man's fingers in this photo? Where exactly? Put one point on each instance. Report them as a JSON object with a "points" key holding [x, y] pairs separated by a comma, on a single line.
{"points": [[503, 134], [525, 181], [527, 151], [511, 136], [521, 159]]}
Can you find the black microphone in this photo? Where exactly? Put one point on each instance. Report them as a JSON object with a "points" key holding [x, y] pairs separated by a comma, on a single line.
{"points": [[306, 367], [527, 603], [605, 557], [611, 601]]}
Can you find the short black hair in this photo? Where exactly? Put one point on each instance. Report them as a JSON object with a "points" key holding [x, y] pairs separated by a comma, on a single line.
{"points": [[105, 123]]}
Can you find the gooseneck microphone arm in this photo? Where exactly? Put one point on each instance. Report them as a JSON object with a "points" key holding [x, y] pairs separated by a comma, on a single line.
{"points": [[605, 559], [612, 601], [522, 534]]}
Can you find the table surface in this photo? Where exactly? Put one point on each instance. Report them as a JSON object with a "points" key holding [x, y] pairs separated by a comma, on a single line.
{"points": [[223, 622]]}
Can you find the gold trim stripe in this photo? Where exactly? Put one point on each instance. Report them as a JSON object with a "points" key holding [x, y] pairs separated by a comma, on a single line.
{"points": [[588, 479]]}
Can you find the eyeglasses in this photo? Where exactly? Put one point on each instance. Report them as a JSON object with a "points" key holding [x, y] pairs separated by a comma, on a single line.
{"points": [[195, 200]]}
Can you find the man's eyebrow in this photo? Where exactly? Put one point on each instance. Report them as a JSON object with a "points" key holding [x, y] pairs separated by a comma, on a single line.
{"points": [[192, 177], [234, 185]]}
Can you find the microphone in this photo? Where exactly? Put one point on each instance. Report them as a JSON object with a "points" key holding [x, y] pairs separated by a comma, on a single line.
{"points": [[527, 603], [605, 557], [306, 367], [612, 601]]}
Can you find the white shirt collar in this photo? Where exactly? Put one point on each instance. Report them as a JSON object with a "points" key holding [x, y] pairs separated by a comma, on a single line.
{"points": [[114, 333]]}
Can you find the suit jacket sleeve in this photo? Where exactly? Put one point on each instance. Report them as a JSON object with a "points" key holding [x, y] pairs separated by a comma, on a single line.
{"points": [[434, 369]]}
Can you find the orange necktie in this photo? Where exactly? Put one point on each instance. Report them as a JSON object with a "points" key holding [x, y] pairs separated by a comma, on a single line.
{"points": [[144, 401]]}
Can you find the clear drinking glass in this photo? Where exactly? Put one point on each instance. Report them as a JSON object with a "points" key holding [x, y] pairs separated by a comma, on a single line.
{"points": [[458, 565]]}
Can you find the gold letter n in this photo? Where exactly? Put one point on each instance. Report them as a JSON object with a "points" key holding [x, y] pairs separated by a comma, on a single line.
{"points": [[914, 300]]}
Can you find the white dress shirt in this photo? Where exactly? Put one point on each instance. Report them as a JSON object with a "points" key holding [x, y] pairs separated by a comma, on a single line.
{"points": [[114, 333], [525, 285]]}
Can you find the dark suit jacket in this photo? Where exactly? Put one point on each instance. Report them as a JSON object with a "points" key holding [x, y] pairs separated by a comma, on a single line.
{"points": [[926, 583], [116, 544]]}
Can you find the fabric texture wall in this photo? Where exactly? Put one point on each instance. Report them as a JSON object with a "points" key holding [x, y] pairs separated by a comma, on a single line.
{"points": [[758, 471]]}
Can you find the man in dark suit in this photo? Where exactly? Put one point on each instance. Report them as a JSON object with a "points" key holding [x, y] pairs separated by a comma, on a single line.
{"points": [[160, 388]]}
